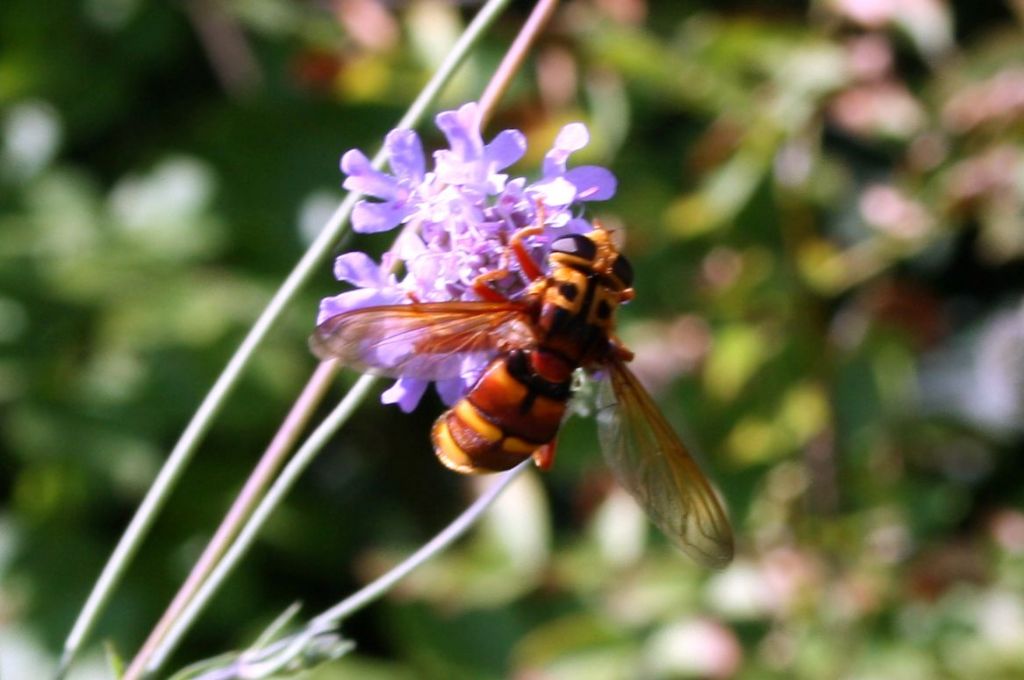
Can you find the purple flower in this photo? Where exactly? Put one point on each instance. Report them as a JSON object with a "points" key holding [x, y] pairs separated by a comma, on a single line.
{"points": [[405, 155], [471, 164], [376, 285], [465, 210], [590, 182]]}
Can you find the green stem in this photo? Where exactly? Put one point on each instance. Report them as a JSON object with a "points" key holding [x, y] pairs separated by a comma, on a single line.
{"points": [[182, 453], [197, 427], [295, 467], [274, 657], [262, 475], [370, 592]]}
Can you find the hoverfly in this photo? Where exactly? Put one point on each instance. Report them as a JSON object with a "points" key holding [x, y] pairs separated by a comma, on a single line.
{"points": [[535, 341]]}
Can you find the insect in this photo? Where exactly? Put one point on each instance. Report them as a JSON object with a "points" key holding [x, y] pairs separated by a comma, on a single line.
{"points": [[534, 342]]}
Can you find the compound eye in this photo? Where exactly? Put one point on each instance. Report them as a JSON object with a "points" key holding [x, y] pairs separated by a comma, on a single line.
{"points": [[577, 245], [623, 271]]}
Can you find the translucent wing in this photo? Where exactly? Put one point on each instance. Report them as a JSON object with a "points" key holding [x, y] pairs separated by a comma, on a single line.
{"points": [[429, 341], [652, 464]]}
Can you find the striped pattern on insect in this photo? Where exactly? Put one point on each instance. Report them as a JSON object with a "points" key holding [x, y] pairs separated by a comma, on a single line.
{"points": [[565, 320]]}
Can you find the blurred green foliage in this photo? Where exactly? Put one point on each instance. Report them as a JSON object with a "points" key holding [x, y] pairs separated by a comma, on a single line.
{"points": [[825, 205]]}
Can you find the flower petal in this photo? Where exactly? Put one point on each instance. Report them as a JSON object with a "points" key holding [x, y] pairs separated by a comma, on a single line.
{"points": [[505, 149], [451, 169], [462, 129], [406, 392], [370, 218], [451, 390], [359, 269], [364, 178], [593, 183], [405, 155], [409, 245], [555, 192], [572, 137]]}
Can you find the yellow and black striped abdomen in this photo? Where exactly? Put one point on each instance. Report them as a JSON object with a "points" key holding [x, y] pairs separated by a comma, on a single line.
{"points": [[509, 414]]}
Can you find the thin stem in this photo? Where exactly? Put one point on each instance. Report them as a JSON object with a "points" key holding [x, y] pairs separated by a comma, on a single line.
{"points": [[262, 661], [449, 535], [271, 461], [295, 467], [197, 427], [182, 452], [515, 56]]}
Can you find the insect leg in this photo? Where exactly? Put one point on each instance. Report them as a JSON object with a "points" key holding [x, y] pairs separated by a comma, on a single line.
{"points": [[526, 263], [482, 287], [544, 457], [619, 350]]}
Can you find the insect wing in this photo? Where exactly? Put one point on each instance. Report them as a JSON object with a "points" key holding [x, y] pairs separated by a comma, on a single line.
{"points": [[652, 464], [429, 341]]}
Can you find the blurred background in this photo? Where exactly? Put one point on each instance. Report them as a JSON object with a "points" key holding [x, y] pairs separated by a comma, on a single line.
{"points": [[823, 201]]}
